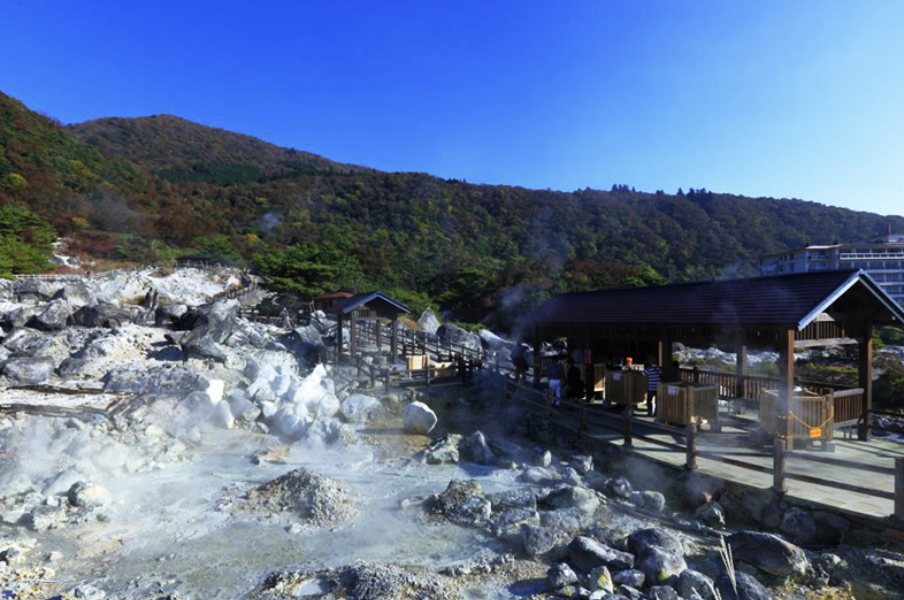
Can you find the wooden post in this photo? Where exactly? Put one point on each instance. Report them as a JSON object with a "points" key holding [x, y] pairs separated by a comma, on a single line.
{"points": [[629, 409], [373, 378], [339, 338], [696, 374], [388, 382], [899, 489], [741, 371], [779, 466], [865, 373], [353, 335], [379, 333], [427, 369], [394, 338], [691, 433], [783, 442], [536, 357]]}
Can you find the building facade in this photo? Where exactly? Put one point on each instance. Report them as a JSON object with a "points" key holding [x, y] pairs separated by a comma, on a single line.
{"points": [[881, 257]]}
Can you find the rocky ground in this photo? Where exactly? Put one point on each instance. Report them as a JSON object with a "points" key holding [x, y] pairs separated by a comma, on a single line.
{"points": [[154, 444]]}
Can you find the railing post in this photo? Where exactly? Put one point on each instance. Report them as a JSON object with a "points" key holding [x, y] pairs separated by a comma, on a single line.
{"points": [[696, 374], [373, 377], [779, 466], [427, 372], [629, 409], [691, 433], [899, 489], [388, 381]]}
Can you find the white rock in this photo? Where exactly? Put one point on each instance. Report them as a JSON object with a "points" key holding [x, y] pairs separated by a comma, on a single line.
{"points": [[222, 416], [419, 418], [215, 390], [359, 408], [268, 409], [88, 495]]}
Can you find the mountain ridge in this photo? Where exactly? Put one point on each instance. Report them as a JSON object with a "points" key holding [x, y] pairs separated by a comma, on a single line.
{"points": [[161, 185]]}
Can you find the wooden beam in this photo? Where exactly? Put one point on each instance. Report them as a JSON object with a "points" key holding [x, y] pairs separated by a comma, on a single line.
{"points": [[394, 338], [865, 373], [353, 335], [339, 337], [741, 370], [783, 442]]}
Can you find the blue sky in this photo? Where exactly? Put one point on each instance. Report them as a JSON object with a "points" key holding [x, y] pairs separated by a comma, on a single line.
{"points": [[801, 99]]}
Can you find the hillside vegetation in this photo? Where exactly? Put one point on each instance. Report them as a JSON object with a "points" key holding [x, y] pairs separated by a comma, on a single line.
{"points": [[143, 189]]}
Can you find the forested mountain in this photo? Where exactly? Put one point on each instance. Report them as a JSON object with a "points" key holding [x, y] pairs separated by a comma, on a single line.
{"points": [[143, 189]]}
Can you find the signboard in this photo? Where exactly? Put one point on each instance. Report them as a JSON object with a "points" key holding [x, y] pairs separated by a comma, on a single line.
{"points": [[815, 432]]}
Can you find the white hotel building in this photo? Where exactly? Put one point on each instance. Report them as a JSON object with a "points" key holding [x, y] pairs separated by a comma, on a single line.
{"points": [[881, 257]]}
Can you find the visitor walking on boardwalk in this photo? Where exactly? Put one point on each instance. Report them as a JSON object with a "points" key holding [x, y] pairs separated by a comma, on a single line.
{"points": [[555, 373], [654, 376]]}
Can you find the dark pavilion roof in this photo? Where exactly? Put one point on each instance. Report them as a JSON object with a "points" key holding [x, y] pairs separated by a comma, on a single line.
{"points": [[344, 307], [788, 300]]}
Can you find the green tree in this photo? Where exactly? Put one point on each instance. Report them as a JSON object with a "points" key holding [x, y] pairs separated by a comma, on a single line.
{"points": [[310, 270], [26, 241]]}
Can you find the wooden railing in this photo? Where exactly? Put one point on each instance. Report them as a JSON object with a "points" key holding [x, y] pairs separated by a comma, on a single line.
{"points": [[583, 418]]}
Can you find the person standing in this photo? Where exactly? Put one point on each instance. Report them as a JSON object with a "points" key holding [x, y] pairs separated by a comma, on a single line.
{"points": [[654, 376], [556, 376]]}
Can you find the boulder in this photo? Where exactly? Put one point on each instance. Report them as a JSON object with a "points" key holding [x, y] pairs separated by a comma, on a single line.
{"points": [[537, 541], [745, 587], [419, 418], [221, 416], [454, 335], [359, 408], [475, 448], [831, 529], [659, 565], [443, 450], [770, 554], [106, 315], [601, 579], [202, 347], [585, 554], [711, 514], [316, 392], [540, 476], [428, 321], [561, 575], [169, 315], [242, 408], [28, 371], [46, 517], [629, 577], [517, 498], [642, 539], [619, 487], [649, 500], [462, 503], [88, 495], [54, 316], [77, 294], [166, 381], [662, 592], [799, 525], [567, 496], [694, 582], [507, 522], [583, 464]]}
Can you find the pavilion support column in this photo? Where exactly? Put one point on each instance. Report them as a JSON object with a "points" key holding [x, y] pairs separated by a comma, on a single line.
{"points": [[378, 329], [394, 338], [865, 360], [339, 338], [536, 364], [741, 371], [783, 443], [665, 356], [353, 336]]}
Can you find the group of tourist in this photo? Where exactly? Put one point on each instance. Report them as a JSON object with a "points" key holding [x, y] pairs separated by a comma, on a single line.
{"points": [[566, 381]]}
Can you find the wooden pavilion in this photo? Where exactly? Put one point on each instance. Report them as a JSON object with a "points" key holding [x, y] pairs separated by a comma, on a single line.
{"points": [[772, 313], [368, 306]]}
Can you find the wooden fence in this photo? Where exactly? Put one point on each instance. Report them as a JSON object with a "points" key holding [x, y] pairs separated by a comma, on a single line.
{"points": [[583, 418]]}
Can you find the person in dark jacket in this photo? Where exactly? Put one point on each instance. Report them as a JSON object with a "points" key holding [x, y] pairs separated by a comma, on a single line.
{"points": [[575, 382]]}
